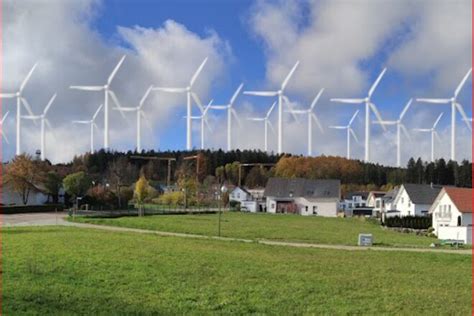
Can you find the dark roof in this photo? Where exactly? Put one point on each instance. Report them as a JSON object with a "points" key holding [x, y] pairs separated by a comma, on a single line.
{"points": [[422, 193], [349, 195], [299, 187], [391, 194]]}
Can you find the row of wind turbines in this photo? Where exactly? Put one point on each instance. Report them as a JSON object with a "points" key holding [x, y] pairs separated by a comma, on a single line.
{"points": [[281, 101]]}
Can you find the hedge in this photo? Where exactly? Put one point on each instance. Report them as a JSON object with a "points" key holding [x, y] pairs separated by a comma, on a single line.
{"points": [[31, 208], [415, 222]]}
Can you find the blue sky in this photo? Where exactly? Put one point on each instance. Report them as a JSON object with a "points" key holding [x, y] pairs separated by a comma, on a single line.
{"points": [[342, 46]]}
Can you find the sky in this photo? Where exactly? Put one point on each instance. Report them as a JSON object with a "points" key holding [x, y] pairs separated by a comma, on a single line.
{"points": [[342, 46]]}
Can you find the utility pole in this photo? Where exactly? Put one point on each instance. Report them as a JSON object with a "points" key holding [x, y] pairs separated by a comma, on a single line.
{"points": [[168, 159]]}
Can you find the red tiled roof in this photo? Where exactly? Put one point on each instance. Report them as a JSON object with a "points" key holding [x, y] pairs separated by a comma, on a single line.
{"points": [[461, 197]]}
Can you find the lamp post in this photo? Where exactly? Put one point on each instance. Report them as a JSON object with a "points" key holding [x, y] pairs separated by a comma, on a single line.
{"points": [[223, 191]]}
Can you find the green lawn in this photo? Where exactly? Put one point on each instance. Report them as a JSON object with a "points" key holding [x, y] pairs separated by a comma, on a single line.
{"points": [[82, 271], [343, 231]]}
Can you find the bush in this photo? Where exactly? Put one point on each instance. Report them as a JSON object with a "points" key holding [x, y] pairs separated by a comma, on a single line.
{"points": [[234, 205], [415, 222], [31, 208], [170, 198]]}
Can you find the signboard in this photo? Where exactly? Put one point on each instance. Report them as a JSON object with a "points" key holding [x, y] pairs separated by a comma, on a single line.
{"points": [[365, 240]]}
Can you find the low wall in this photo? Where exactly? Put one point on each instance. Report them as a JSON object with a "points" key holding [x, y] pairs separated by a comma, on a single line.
{"points": [[456, 233]]}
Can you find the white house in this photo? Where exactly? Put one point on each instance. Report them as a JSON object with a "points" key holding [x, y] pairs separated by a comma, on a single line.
{"points": [[353, 200], [414, 199], [12, 198], [239, 194], [452, 214], [303, 196], [384, 204]]}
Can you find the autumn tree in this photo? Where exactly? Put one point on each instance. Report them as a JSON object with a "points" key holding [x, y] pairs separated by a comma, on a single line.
{"points": [[121, 173], [141, 193], [23, 174], [53, 183]]}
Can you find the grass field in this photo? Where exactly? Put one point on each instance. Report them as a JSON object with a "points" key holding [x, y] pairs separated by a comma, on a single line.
{"points": [[82, 271], [342, 231]]}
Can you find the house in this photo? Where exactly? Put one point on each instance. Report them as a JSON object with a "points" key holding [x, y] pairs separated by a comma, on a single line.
{"points": [[373, 196], [452, 214], [383, 204], [240, 194], [352, 201], [37, 196], [414, 199], [303, 196]]}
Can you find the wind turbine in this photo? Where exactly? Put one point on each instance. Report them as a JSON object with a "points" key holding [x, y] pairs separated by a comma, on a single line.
{"points": [[19, 99], [400, 128], [454, 106], [92, 125], [267, 123], [139, 112], [433, 132], [281, 97], [107, 91], [44, 121], [311, 117], [368, 107], [189, 94], [2, 129], [204, 121], [230, 112], [350, 132]]}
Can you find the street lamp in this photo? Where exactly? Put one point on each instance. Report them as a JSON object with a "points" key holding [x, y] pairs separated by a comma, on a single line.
{"points": [[223, 191]]}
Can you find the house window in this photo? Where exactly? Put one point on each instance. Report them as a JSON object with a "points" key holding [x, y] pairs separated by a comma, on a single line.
{"points": [[306, 208], [403, 200], [459, 220], [409, 203], [238, 195]]}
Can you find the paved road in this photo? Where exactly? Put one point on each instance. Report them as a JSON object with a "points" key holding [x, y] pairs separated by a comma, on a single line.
{"points": [[34, 219], [45, 219]]}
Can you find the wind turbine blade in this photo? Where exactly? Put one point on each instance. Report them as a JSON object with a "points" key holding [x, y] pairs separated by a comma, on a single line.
{"points": [[256, 119], [126, 109], [377, 114], [315, 100], [292, 110], [31, 117], [405, 131], [437, 120], [271, 109], [206, 122], [114, 72], [315, 118], [270, 125], [385, 122], [48, 124], [198, 101], [337, 127], [170, 89], [87, 88], [97, 112], [353, 117], [288, 77], [117, 103], [236, 117], [4, 117], [209, 105], [5, 137], [422, 129], [351, 101], [198, 71], [25, 81], [145, 96], [434, 101], [236, 94], [27, 106], [464, 116], [458, 89], [405, 109], [7, 95], [262, 93], [376, 83], [297, 111], [49, 104], [219, 107], [354, 135], [437, 136], [81, 122]]}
